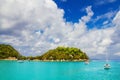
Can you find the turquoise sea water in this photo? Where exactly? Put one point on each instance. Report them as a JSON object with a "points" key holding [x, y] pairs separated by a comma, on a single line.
{"points": [[12, 70]]}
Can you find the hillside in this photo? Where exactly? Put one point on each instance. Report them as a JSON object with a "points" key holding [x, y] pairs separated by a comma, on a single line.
{"points": [[58, 54], [64, 53], [7, 51]]}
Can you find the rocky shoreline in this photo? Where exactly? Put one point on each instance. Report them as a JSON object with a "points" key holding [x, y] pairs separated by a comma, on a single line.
{"points": [[10, 58], [81, 60]]}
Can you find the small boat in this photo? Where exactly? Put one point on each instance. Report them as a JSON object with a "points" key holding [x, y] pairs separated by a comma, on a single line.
{"points": [[107, 66], [86, 62], [20, 61]]}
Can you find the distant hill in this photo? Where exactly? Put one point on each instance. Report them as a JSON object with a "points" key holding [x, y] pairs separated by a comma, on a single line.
{"points": [[64, 53], [58, 54], [7, 51]]}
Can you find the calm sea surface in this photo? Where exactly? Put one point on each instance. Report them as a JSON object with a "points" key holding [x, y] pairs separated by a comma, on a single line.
{"points": [[12, 70]]}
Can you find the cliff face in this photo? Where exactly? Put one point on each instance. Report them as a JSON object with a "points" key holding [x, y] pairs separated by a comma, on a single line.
{"points": [[7, 51], [64, 53]]}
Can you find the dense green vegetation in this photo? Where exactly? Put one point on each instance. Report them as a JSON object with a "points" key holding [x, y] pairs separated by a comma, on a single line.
{"points": [[64, 53], [60, 53], [8, 51]]}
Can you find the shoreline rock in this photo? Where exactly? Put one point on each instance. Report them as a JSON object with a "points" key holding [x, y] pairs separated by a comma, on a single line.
{"points": [[10, 58], [81, 60]]}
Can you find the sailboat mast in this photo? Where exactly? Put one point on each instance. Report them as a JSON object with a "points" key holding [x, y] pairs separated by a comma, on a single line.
{"points": [[106, 57]]}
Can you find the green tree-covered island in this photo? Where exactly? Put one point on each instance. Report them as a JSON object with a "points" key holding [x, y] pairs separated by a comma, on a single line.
{"points": [[58, 54], [8, 52]]}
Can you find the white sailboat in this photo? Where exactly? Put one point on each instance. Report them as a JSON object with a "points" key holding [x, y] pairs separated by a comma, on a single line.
{"points": [[107, 65]]}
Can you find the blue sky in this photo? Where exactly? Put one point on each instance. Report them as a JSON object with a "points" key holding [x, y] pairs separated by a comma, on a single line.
{"points": [[35, 26], [75, 9]]}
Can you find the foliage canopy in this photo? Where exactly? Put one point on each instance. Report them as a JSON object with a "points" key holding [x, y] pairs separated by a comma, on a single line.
{"points": [[64, 53], [8, 51]]}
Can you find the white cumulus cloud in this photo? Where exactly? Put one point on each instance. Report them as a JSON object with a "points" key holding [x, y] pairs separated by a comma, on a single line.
{"points": [[35, 26]]}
